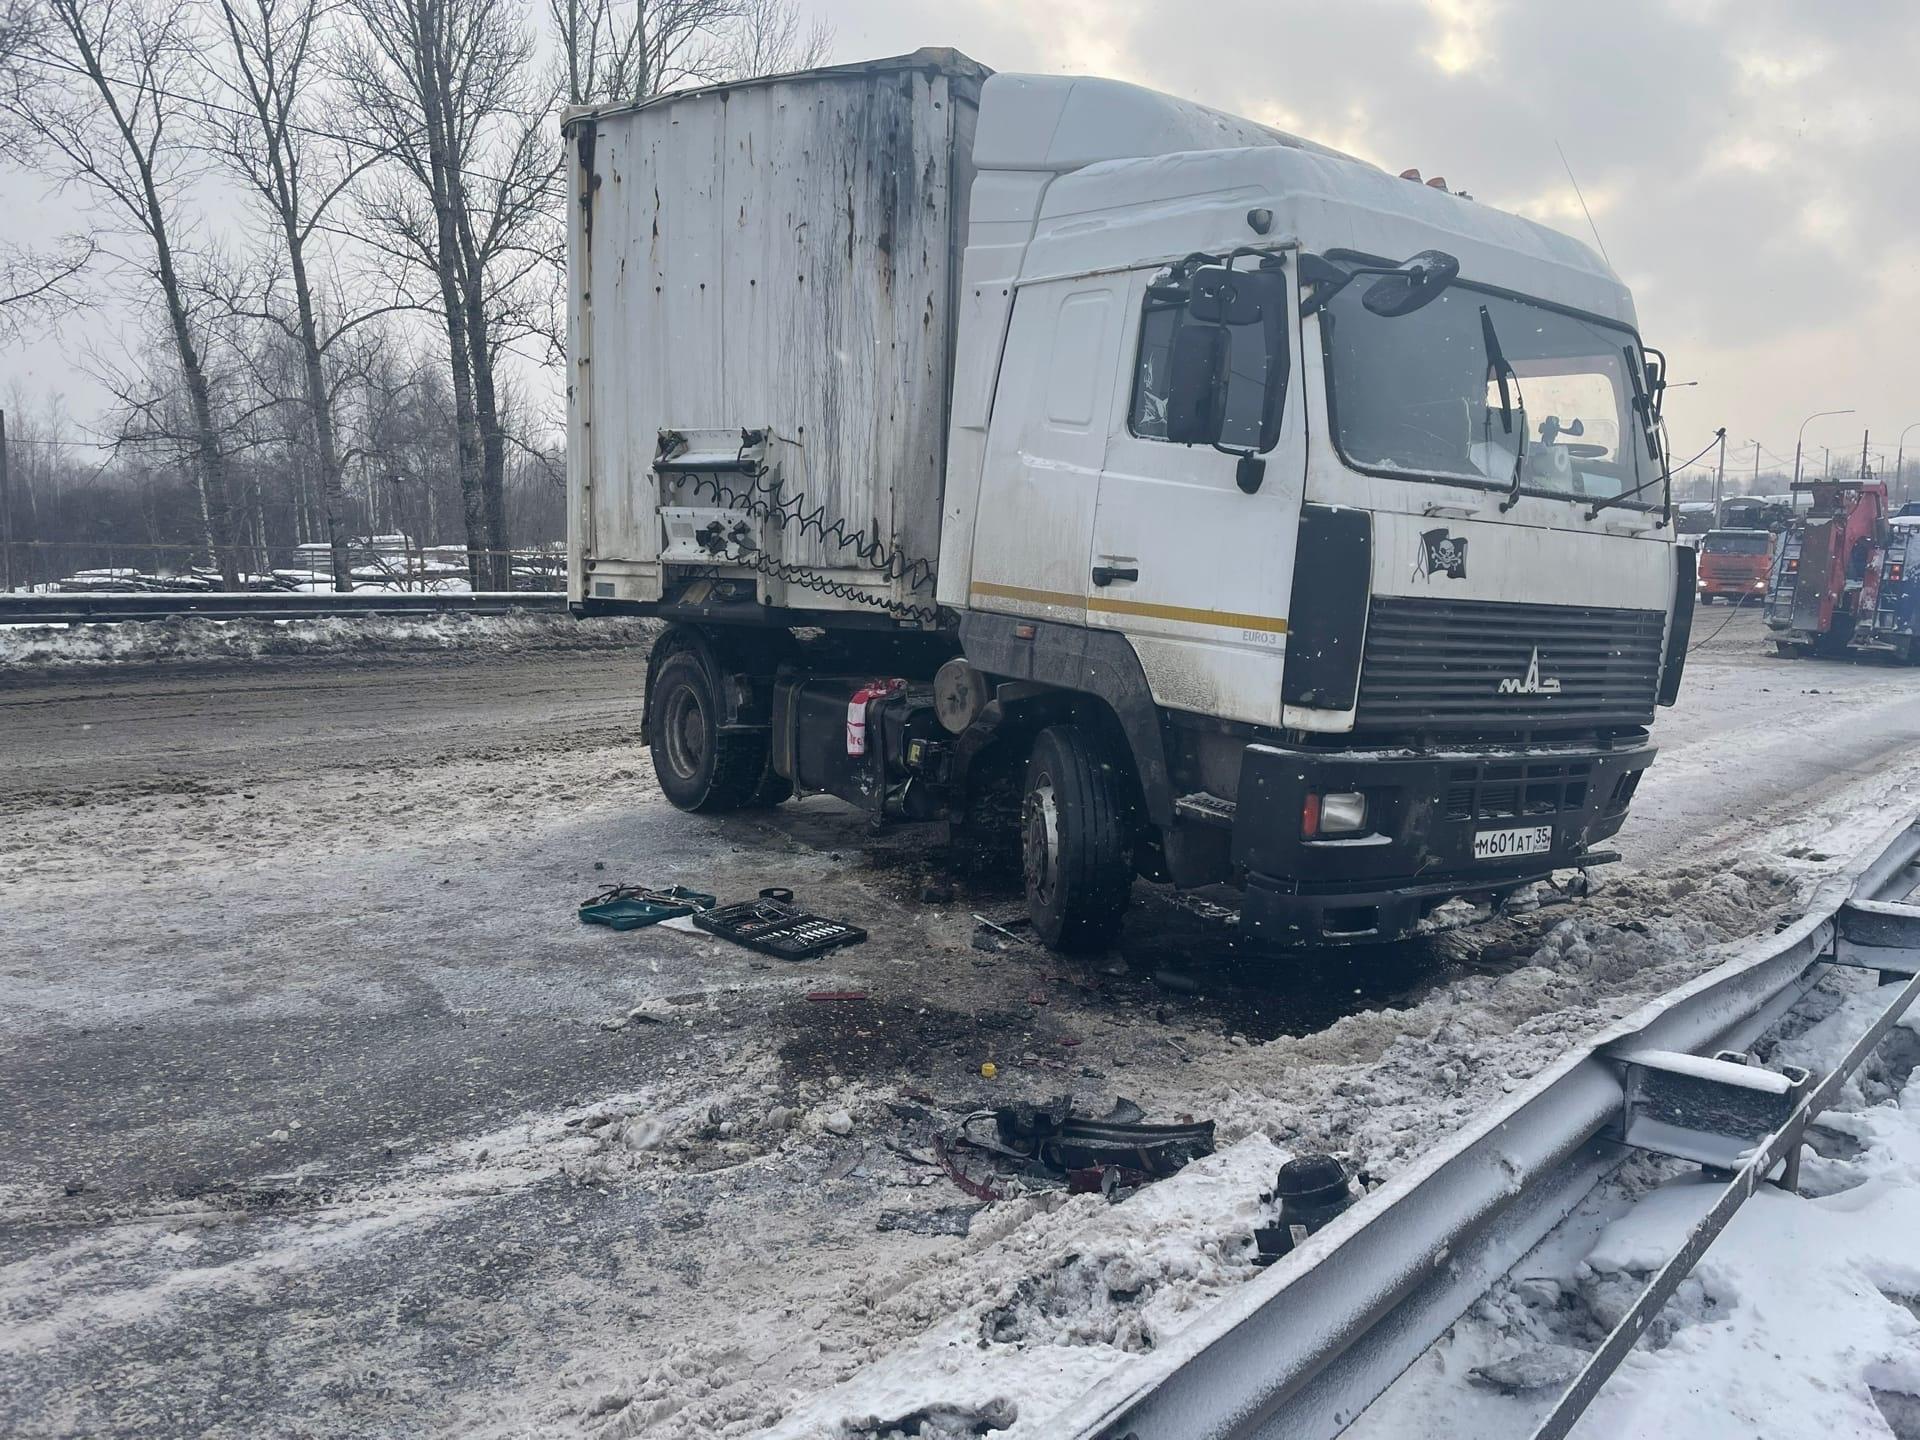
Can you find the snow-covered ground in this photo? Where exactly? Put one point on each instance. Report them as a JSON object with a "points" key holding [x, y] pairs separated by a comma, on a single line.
{"points": [[1802, 1322], [339, 892], [191, 639]]}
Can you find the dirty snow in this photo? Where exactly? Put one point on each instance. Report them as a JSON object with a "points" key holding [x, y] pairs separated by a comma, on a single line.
{"points": [[198, 638], [1802, 1321], [352, 908]]}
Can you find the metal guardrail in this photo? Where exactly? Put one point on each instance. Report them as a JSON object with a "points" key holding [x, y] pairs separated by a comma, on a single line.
{"points": [[1301, 1350], [111, 607]]}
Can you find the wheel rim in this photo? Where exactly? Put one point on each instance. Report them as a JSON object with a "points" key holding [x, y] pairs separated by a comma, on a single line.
{"points": [[685, 729], [1040, 843]]}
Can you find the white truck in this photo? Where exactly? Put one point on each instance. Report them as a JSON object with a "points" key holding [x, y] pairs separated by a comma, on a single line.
{"points": [[1163, 493]]}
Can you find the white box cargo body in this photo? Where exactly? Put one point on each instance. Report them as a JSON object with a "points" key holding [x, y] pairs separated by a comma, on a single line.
{"points": [[779, 253]]}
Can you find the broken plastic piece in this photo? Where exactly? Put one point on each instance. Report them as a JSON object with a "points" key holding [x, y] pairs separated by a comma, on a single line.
{"points": [[1059, 1141], [1312, 1191]]}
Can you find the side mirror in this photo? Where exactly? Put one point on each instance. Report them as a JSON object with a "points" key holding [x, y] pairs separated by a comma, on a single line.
{"points": [[1226, 297], [1197, 384], [1418, 282]]}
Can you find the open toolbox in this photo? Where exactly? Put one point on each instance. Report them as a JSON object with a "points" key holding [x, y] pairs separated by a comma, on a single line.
{"points": [[774, 925], [628, 907]]}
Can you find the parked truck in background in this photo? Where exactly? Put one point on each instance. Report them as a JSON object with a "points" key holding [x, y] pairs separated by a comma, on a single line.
{"points": [[1733, 565], [1155, 491], [1822, 594]]}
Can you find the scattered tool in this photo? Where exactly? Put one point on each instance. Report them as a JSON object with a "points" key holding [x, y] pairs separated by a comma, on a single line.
{"points": [[774, 925], [629, 907]]}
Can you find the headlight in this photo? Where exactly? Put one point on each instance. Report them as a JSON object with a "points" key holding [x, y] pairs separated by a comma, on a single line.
{"points": [[1341, 813]]}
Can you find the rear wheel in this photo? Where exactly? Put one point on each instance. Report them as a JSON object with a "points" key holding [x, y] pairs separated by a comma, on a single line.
{"points": [[699, 767], [1076, 841]]}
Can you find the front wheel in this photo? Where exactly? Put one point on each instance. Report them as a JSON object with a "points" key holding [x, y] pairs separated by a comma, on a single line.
{"points": [[1076, 841]]}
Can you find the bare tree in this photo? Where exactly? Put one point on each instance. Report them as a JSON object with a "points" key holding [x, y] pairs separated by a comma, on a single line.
{"points": [[35, 284], [270, 138], [629, 50], [453, 89], [116, 131]]}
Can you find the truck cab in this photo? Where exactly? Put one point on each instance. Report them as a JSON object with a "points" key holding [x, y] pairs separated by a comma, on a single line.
{"points": [[1733, 565], [1389, 585], [1300, 527]]}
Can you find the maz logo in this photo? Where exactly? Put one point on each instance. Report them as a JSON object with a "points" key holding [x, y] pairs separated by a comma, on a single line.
{"points": [[1530, 683]]}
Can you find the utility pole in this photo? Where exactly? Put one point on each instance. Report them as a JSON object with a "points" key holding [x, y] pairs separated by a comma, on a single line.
{"points": [[6, 515], [1756, 467], [1797, 439], [1826, 463], [1900, 465], [1864, 435], [1719, 477]]}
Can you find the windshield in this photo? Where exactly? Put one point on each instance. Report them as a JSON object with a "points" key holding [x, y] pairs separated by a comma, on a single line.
{"points": [[1418, 393], [1738, 542]]}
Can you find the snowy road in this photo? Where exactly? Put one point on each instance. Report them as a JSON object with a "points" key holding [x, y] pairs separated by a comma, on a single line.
{"points": [[299, 1014]]}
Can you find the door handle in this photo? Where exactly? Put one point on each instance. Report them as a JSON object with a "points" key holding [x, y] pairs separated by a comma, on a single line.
{"points": [[1106, 574]]}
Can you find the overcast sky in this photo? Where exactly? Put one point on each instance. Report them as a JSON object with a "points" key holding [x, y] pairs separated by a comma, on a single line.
{"points": [[1751, 165]]}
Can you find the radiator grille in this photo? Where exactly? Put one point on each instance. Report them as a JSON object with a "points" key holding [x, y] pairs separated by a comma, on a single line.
{"points": [[1457, 666], [1517, 790]]}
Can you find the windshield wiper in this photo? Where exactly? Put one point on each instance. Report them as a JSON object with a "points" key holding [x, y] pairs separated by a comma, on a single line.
{"points": [[1643, 407], [1501, 369]]}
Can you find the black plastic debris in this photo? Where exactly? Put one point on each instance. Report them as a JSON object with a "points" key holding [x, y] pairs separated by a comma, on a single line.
{"points": [[1107, 1154], [774, 925], [1312, 1191]]}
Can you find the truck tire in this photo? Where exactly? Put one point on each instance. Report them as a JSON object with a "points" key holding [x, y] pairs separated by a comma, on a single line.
{"points": [[700, 769], [1076, 842]]}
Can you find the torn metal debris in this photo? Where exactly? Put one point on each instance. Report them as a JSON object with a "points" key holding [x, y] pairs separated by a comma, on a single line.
{"points": [[1107, 1154]]}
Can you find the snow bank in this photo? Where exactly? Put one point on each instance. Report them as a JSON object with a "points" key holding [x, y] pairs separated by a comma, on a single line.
{"points": [[1802, 1322], [198, 638]]}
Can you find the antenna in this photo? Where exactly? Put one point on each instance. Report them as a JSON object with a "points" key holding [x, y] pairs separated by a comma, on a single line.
{"points": [[1583, 205]]}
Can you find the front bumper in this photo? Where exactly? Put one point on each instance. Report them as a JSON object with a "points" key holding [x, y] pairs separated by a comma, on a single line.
{"points": [[1424, 811]]}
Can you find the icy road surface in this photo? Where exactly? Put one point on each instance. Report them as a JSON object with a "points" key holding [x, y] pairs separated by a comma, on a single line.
{"points": [[322, 1114]]}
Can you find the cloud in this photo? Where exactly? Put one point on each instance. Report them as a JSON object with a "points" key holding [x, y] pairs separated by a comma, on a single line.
{"points": [[1748, 162]]}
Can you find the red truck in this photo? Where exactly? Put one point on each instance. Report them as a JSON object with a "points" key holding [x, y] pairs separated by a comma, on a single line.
{"points": [[1826, 580], [1734, 564]]}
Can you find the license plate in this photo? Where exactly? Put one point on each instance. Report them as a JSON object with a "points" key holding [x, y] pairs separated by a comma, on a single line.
{"points": [[1501, 844]]}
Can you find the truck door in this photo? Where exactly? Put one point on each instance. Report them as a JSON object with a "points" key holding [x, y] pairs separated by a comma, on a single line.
{"points": [[1045, 445], [1196, 571]]}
